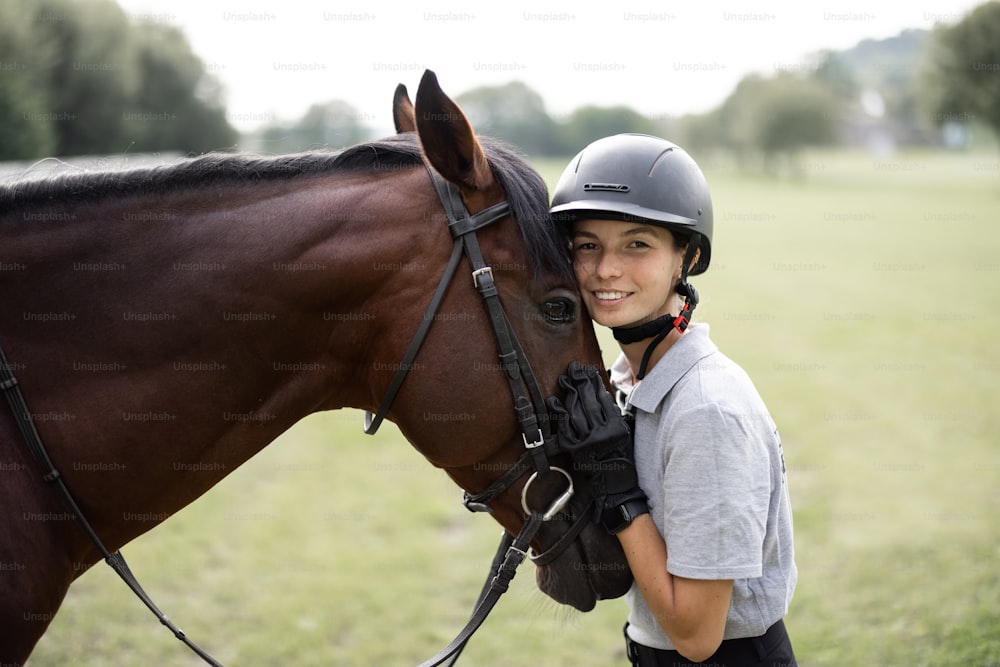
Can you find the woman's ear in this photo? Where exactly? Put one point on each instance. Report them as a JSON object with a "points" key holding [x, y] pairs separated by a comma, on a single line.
{"points": [[683, 253], [694, 262]]}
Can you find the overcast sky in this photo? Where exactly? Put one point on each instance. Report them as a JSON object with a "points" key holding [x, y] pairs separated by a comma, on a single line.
{"points": [[660, 58]]}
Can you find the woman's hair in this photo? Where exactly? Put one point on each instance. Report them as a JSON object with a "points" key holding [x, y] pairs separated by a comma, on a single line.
{"points": [[682, 237]]}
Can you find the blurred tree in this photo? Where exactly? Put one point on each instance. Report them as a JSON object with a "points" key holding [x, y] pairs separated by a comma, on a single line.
{"points": [[90, 76], [590, 123], [335, 124], [26, 129], [177, 106], [832, 71], [700, 131], [76, 77], [769, 118], [737, 115], [515, 113], [790, 114], [962, 80]]}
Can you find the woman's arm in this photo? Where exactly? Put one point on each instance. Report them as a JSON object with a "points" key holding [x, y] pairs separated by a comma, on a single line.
{"points": [[691, 611], [589, 426]]}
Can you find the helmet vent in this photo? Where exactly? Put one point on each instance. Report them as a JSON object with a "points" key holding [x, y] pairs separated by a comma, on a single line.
{"points": [[658, 159], [606, 187]]}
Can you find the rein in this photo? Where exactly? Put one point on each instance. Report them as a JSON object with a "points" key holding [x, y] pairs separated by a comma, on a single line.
{"points": [[11, 389]]}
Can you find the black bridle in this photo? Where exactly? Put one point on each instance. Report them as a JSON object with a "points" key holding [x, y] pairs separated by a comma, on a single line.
{"points": [[528, 405]]}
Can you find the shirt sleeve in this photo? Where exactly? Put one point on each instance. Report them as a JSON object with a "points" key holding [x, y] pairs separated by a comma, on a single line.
{"points": [[716, 492]]}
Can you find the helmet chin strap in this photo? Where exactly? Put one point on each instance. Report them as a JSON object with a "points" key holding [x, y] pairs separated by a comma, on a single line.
{"points": [[661, 327]]}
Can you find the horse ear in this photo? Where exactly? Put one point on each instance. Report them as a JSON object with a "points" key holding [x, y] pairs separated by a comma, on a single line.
{"points": [[447, 137], [402, 111]]}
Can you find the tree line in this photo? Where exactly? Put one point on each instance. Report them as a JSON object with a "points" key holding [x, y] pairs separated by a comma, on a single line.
{"points": [[78, 77], [899, 91]]}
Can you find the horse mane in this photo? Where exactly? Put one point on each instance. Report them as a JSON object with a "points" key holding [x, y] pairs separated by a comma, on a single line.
{"points": [[526, 191]]}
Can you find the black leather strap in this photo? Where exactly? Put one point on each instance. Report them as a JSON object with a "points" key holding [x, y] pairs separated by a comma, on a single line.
{"points": [[530, 407], [373, 422], [498, 583], [479, 502], [11, 389], [462, 226]]}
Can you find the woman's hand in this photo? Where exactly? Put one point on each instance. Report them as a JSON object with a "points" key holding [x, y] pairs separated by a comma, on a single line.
{"points": [[591, 428]]}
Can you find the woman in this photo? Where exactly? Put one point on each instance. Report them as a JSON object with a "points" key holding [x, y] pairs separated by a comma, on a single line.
{"points": [[708, 528]]}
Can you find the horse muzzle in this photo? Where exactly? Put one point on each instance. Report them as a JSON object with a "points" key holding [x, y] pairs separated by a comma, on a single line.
{"points": [[583, 563]]}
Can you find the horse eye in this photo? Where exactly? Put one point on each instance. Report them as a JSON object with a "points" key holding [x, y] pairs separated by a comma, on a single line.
{"points": [[559, 311]]}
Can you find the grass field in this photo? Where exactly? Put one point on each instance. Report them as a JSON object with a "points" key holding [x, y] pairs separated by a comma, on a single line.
{"points": [[863, 302]]}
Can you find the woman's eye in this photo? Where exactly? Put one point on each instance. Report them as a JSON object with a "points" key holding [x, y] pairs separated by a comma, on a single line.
{"points": [[559, 311]]}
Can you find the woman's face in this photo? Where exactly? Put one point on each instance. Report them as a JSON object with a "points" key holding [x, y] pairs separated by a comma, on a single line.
{"points": [[627, 271]]}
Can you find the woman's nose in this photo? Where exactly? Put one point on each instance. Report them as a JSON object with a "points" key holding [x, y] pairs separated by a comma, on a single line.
{"points": [[608, 266]]}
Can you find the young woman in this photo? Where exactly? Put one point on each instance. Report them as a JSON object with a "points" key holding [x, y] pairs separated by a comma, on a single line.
{"points": [[701, 507]]}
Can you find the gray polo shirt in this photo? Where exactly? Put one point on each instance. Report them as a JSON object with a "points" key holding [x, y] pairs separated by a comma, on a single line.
{"points": [[709, 458]]}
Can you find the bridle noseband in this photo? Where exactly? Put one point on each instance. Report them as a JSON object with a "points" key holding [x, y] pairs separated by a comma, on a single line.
{"points": [[528, 406]]}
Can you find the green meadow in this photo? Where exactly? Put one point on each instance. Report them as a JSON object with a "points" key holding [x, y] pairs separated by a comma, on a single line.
{"points": [[862, 299]]}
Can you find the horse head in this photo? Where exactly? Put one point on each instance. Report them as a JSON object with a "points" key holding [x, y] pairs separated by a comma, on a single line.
{"points": [[474, 435]]}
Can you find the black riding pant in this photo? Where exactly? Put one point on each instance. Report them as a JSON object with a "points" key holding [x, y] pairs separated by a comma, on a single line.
{"points": [[771, 649]]}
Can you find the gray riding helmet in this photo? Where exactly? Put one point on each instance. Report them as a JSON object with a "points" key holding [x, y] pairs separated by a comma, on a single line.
{"points": [[639, 178]]}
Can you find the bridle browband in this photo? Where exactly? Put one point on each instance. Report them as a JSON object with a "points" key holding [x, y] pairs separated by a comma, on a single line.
{"points": [[528, 404], [529, 407]]}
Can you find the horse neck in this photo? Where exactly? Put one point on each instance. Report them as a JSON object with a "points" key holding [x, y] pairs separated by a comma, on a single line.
{"points": [[314, 256], [190, 332]]}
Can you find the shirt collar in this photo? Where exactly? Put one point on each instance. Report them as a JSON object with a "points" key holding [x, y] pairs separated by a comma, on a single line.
{"points": [[689, 349]]}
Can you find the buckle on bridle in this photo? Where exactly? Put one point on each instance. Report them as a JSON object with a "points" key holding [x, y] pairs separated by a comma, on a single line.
{"points": [[536, 443], [482, 272]]}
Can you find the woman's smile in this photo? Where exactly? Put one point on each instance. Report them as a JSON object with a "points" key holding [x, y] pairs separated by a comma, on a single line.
{"points": [[610, 297]]}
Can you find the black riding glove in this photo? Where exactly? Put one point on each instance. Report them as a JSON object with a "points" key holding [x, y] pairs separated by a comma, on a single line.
{"points": [[591, 428]]}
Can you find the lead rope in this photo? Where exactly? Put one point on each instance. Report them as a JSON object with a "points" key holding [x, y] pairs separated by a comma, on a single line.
{"points": [[514, 552], [12, 391]]}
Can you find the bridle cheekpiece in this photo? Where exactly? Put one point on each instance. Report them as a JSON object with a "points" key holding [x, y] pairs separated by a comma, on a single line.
{"points": [[529, 406]]}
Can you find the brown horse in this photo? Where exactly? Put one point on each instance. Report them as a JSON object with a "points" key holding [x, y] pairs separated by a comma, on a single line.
{"points": [[295, 283]]}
